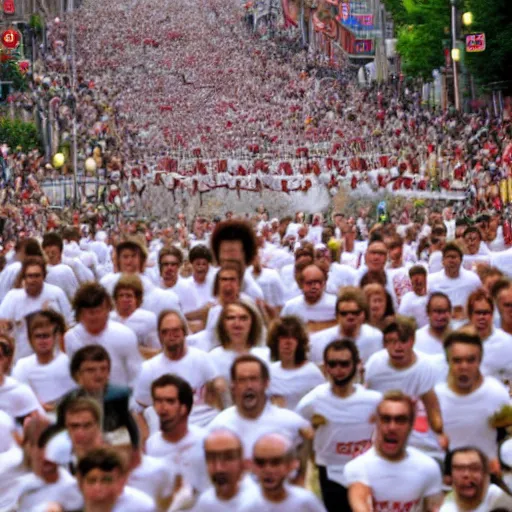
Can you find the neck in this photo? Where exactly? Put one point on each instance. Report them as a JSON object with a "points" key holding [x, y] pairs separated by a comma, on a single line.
{"points": [[485, 333], [349, 246], [406, 364], [125, 313], [276, 495], [396, 264], [288, 363], [231, 494], [395, 458], [343, 391], [506, 326], [99, 507], [437, 333], [254, 413], [169, 283], [173, 357], [177, 434], [312, 302], [351, 335], [238, 345], [45, 358], [464, 391], [452, 274], [199, 279]]}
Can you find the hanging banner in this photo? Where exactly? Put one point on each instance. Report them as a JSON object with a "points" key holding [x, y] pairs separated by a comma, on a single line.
{"points": [[475, 43], [9, 7], [343, 11], [363, 46], [366, 20]]}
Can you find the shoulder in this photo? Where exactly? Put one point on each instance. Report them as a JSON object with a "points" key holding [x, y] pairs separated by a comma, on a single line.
{"points": [[117, 328], [377, 359], [368, 331]]}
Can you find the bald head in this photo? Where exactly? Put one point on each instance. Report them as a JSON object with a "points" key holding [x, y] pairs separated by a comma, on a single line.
{"points": [[222, 439], [273, 446]]}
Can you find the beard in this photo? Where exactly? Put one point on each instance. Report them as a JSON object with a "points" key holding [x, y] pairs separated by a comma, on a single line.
{"points": [[345, 380]]}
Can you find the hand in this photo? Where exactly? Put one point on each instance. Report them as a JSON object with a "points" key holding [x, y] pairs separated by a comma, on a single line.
{"points": [[494, 467], [443, 441]]}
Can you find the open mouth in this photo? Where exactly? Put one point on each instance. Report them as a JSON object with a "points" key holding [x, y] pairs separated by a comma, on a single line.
{"points": [[220, 479]]}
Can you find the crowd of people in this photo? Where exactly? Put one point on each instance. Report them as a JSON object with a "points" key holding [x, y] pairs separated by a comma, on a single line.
{"points": [[258, 364]]}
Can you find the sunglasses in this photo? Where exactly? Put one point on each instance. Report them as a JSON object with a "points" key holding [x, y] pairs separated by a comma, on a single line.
{"points": [[334, 363], [272, 461], [354, 312]]}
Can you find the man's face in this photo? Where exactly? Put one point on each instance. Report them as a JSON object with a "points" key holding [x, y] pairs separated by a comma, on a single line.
{"points": [[93, 376], [83, 430], [505, 305], [53, 254], [43, 340], [439, 314], [232, 250], [469, 478], [229, 285], [340, 367], [126, 301], [200, 267], [396, 253], [393, 425], [249, 387], [237, 322], [34, 280], [419, 284], [464, 361], [130, 261], [376, 256], [172, 337], [312, 284], [472, 242], [481, 318], [169, 268], [400, 352], [168, 407], [101, 488], [224, 462], [452, 262], [350, 317], [95, 319], [272, 466]]}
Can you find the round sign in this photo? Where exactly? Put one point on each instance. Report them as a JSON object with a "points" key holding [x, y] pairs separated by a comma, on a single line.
{"points": [[11, 39]]}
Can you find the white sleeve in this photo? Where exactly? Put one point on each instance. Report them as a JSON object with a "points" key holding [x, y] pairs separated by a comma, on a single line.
{"points": [[355, 472], [6, 307], [19, 372], [435, 480], [65, 308], [305, 406], [142, 391], [71, 344], [132, 357]]}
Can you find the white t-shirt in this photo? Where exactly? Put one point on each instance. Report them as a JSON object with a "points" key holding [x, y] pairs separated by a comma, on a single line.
{"points": [[415, 381], [144, 324], [293, 384], [273, 419], [17, 305], [340, 275], [203, 291], [291, 288], [466, 417], [186, 457], [8, 277], [186, 293], [497, 358], [297, 499], [458, 289], [494, 493], [415, 306], [48, 381], [435, 262], [323, 311], [121, 344], [348, 430], [246, 496], [368, 341], [401, 485], [12, 470], [157, 300], [62, 276], [271, 286], [133, 500], [426, 343], [154, 477], [195, 367], [17, 399]]}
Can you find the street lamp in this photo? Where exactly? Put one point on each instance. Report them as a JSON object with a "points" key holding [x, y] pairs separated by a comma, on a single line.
{"points": [[454, 62], [455, 54], [467, 19]]}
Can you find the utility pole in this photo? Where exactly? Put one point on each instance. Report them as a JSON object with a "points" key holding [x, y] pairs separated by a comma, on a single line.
{"points": [[73, 91], [456, 90]]}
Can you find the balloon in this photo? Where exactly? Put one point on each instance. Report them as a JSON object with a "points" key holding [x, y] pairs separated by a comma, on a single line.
{"points": [[90, 165], [58, 160]]}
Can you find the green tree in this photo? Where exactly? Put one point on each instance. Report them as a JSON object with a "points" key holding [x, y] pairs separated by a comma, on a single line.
{"points": [[16, 133], [494, 17]]}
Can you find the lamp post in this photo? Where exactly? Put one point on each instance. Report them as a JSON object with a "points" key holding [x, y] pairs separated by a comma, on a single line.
{"points": [[456, 91]]}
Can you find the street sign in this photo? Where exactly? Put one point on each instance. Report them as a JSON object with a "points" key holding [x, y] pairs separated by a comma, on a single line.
{"points": [[475, 43], [9, 7], [11, 39]]}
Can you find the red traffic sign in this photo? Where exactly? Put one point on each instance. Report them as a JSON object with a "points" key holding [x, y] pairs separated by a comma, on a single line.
{"points": [[11, 39], [475, 43]]}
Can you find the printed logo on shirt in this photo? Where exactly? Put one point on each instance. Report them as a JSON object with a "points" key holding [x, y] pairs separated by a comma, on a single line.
{"points": [[401, 285], [353, 448], [396, 506], [421, 420]]}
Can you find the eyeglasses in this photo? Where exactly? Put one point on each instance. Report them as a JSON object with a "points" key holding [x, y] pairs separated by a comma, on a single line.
{"points": [[334, 363], [482, 312], [472, 468], [354, 312], [401, 419], [223, 456], [271, 461]]}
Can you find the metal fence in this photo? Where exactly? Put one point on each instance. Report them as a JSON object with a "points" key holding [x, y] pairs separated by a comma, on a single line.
{"points": [[60, 192]]}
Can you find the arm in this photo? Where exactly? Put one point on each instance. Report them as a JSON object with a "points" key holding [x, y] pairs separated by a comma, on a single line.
{"points": [[360, 497], [435, 419], [433, 503]]}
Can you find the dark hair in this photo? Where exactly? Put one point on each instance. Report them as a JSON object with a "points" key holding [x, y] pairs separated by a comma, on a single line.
{"points": [[439, 230], [499, 286], [185, 393], [45, 318], [404, 326], [352, 294], [53, 240], [472, 229], [75, 404], [90, 295], [448, 461], [165, 313], [105, 459], [33, 261], [169, 251], [47, 434], [235, 230], [343, 344], [95, 353], [438, 295], [256, 324], [378, 277], [417, 270], [228, 265], [305, 249], [293, 327], [478, 295], [30, 247], [396, 241], [132, 245], [452, 247], [71, 233], [200, 252], [249, 358], [467, 337]]}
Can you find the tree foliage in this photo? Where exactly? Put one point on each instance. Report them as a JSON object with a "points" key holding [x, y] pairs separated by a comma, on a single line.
{"points": [[16, 133], [494, 17]]}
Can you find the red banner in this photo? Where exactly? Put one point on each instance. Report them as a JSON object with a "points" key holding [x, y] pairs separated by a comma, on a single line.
{"points": [[9, 7], [475, 43]]}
